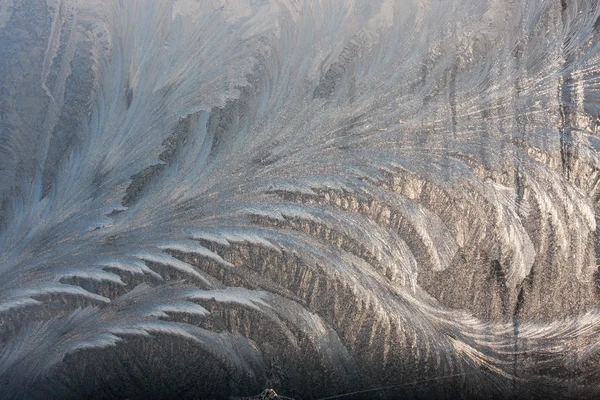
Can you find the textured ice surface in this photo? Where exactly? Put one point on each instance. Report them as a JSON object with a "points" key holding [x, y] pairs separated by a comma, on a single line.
{"points": [[205, 198]]}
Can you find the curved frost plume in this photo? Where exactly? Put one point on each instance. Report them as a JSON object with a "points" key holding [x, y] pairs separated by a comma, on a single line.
{"points": [[203, 199]]}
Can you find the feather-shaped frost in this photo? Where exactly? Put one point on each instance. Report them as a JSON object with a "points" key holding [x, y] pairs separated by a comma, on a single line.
{"points": [[205, 198]]}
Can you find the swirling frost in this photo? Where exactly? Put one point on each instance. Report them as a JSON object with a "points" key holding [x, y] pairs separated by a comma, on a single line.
{"points": [[398, 188]]}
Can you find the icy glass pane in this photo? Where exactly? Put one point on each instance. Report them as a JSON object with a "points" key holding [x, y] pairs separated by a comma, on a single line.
{"points": [[341, 199]]}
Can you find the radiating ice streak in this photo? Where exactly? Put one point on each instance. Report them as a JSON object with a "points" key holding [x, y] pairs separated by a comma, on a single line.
{"points": [[166, 259], [130, 265], [194, 247], [23, 297]]}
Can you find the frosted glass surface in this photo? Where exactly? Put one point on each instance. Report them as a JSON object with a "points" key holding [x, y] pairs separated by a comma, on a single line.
{"points": [[209, 198]]}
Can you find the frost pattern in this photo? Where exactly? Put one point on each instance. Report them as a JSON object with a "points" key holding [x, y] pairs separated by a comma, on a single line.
{"points": [[316, 196]]}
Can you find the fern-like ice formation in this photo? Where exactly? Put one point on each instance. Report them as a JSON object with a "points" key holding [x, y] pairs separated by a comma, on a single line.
{"points": [[203, 198]]}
